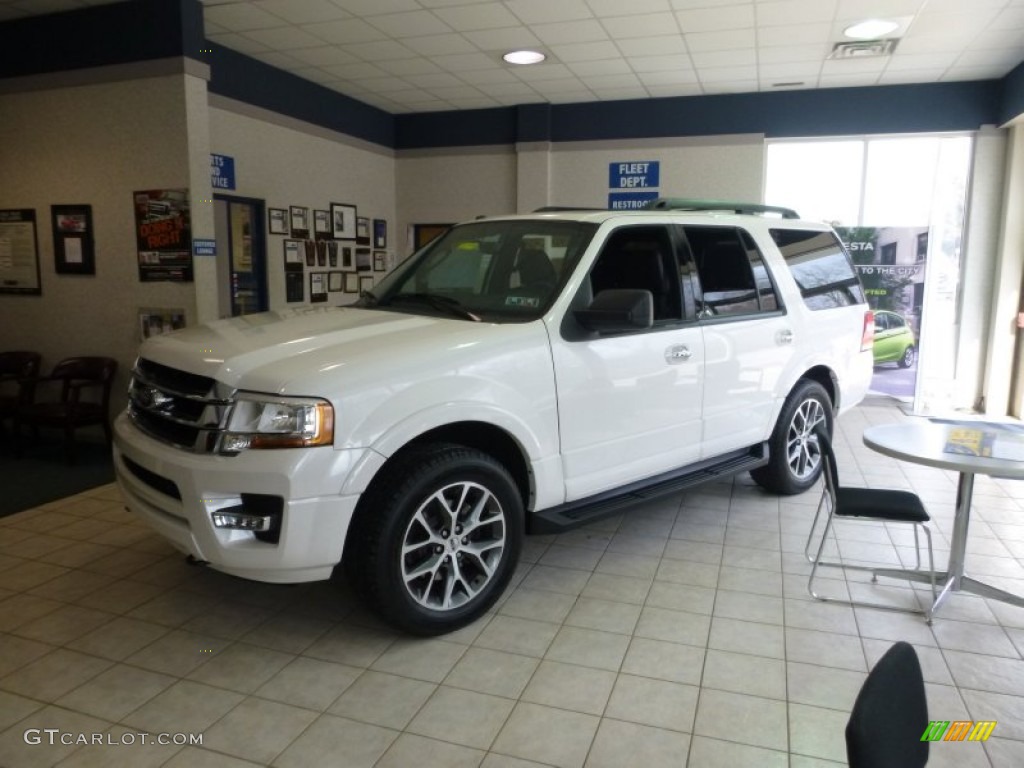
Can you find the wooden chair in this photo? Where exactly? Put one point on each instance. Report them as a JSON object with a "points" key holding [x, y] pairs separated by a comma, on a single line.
{"points": [[18, 370], [70, 410]]}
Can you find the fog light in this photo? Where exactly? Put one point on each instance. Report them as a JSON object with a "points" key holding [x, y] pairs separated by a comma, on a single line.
{"points": [[228, 518]]}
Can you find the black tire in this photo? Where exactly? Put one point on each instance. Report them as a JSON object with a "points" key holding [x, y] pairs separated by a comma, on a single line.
{"points": [[461, 571], [794, 456], [907, 359]]}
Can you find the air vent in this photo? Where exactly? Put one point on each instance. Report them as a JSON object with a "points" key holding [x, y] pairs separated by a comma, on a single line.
{"points": [[862, 49]]}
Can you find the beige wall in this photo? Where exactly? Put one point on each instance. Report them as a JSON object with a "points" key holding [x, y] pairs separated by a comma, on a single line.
{"points": [[91, 144], [285, 163]]}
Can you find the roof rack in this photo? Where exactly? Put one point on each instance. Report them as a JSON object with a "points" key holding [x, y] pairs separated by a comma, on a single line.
{"points": [[565, 208], [682, 204]]}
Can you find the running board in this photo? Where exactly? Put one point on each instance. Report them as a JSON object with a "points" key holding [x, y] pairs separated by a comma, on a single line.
{"points": [[577, 513]]}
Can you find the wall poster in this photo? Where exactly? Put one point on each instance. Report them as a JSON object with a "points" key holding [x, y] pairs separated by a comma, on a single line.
{"points": [[164, 234], [891, 264], [19, 252]]}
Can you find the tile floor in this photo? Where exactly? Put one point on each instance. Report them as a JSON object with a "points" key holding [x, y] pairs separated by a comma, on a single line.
{"points": [[677, 635]]}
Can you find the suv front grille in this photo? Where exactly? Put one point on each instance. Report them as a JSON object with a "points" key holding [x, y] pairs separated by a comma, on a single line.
{"points": [[178, 408]]}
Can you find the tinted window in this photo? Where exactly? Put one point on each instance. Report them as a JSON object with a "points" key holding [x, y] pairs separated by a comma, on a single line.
{"points": [[641, 258], [732, 276], [821, 268]]}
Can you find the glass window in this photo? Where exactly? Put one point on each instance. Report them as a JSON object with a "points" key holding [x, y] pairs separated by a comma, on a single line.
{"points": [[821, 267], [819, 179], [641, 258], [731, 273]]}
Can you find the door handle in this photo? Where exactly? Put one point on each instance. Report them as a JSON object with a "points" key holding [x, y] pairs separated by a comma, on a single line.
{"points": [[785, 336], [677, 353]]}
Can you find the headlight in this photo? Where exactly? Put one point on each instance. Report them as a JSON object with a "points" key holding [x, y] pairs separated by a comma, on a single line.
{"points": [[265, 421]]}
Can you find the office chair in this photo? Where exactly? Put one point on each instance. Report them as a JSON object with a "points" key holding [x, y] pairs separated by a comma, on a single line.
{"points": [[890, 714], [870, 504]]}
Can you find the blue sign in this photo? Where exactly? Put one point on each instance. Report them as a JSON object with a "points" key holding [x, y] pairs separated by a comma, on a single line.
{"points": [[204, 247], [629, 201], [634, 175], [222, 172]]}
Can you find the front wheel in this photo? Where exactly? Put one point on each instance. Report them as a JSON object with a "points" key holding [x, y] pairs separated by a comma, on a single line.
{"points": [[794, 455], [437, 539]]}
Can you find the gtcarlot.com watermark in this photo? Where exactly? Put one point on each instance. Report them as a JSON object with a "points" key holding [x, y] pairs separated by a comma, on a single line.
{"points": [[54, 736]]}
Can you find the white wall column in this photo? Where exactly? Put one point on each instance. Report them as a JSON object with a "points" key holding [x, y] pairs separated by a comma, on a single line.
{"points": [[533, 175]]}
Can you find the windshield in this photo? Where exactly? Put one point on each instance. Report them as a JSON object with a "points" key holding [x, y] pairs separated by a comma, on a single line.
{"points": [[493, 270]]}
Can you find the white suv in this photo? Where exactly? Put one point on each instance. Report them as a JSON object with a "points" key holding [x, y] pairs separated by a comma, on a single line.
{"points": [[519, 374]]}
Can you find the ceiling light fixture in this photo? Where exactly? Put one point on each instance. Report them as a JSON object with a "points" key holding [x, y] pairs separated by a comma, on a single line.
{"points": [[524, 57], [871, 29]]}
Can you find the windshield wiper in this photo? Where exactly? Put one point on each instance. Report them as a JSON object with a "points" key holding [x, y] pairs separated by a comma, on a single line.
{"points": [[444, 303]]}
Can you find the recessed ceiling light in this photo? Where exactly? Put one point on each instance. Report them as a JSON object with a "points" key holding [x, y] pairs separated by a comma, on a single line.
{"points": [[524, 57], [870, 29]]}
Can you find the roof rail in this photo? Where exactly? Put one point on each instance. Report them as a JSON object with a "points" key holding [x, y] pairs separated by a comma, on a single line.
{"points": [[683, 204], [565, 208]]}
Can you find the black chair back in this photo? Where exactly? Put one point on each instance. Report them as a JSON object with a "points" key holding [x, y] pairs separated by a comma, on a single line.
{"points": [[890, 714]]}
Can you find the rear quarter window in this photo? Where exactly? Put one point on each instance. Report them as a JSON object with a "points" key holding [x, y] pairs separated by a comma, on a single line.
{"points": [[820, 266]]}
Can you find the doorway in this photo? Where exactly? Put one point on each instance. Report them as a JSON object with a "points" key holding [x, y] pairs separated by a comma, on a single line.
{"points": [[424, 233], [241, 255]]}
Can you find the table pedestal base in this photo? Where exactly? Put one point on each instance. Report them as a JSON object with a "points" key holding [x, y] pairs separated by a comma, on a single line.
{"points": [[946, 583]]}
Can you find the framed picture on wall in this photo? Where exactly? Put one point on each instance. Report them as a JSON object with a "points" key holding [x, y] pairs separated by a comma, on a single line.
{"points": [[343, 221], [292, 255], [277, 221], [72, 240], [363, 260], [347, 257], [322, 224], [379, 264], [351, 282], [19, 254], [362, 230], [380, 233], [299, 216], [317, 286], [365, 283], [335, 281]]}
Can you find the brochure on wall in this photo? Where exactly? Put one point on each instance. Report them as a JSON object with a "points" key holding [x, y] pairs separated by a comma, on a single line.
{"points": [[19, 252], [164, 234], [890, 262], [990, 439]]}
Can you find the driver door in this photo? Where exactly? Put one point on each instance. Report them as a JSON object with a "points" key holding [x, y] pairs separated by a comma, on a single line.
{"points": [[629, 404]]}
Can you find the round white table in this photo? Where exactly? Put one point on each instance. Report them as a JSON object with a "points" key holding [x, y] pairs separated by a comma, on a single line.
{"points": [[925, 442]]}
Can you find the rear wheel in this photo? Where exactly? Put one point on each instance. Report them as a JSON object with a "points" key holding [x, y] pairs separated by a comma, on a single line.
{"points": [[907, 359], [794, 462], [437, 539]]}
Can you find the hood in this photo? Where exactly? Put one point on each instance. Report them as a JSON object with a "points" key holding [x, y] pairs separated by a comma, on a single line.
{"points": [[270, 349]]}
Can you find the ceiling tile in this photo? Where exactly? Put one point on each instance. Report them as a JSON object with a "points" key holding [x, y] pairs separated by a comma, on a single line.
{"points": [[479, 16], [279, 60], [241, 17], [643, 25], [371, 7], [920, 61], [785, 11], [787, 53], [322, 56], [345, 31], [672, 77], [795, 34], [849, 67], [467, 62], [731, 86], [603, 67], [452, 92], [896, 77], [439, 45], [545, 71], [502, 39], [596, 51], [578, 97], [570, 32], [871, 9], [379, 50], [416, 66], [355, 70], [745, 57], [674, 91], [725, 74], [973, 73], [315, 75], [436, 80], [383, 84], [546, 11], [487, 77], [302, 11], [237, 42], [410, 24], [559, 85], [1005, 58], [653, 46], [612, 81], [721, 41], [794, 70], [687, 4], [285, 38], [660, 63], [509, 89], [603, 8], [845, 81], [716, 19]]}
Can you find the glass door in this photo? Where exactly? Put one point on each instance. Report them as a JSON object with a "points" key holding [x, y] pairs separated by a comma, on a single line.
{"points": [[241, 252]]}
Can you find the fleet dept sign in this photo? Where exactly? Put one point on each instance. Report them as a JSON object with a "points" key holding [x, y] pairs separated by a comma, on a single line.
{"points": [[632, 184]]}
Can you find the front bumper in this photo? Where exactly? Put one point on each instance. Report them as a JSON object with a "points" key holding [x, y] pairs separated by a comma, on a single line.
{"points": [[175, 492]]}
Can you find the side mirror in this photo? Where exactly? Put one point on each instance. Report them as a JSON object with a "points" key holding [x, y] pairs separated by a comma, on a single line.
{"points": [[618, 311]]}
